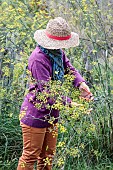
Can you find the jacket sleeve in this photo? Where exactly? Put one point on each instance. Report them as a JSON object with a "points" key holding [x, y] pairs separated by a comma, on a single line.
{"points": [[69, 68], [41, 74]]}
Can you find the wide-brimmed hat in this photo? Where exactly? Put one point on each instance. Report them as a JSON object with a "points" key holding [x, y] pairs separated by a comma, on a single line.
{"points": [[56, 35]]}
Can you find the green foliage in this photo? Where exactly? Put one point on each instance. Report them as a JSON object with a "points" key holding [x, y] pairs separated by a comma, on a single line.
{"points": [[85, 138]]}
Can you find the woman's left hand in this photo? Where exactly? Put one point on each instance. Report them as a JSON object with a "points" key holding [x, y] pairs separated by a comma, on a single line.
{"points": [[85, 92]]}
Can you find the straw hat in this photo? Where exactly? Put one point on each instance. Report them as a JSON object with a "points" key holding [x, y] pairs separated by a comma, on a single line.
{"points": [[56, 35]]}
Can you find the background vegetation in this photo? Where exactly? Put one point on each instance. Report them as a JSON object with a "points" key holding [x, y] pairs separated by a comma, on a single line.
{"points": [[85, 140]]}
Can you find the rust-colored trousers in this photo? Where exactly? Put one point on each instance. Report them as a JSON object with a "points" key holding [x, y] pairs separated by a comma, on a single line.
{"points": [[39, 144]]}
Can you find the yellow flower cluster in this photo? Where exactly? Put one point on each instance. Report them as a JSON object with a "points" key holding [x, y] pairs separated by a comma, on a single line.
{"points": [[22, 114], [61, 144], [62, 128], [23, 164], [47, 161], [73, 152], [60, 162]]}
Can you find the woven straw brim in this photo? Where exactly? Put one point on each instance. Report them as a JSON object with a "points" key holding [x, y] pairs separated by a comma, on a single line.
{"points": [[42, 39]]}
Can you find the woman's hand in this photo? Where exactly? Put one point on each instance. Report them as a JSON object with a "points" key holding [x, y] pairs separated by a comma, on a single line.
{"points": [[85, 92]]}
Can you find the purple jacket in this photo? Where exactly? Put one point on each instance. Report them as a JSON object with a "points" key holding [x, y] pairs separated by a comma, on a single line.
{"points": [[40, 67]]}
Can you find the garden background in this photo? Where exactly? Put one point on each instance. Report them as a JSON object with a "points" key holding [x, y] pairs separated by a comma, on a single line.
{"points": [[85, 140]]}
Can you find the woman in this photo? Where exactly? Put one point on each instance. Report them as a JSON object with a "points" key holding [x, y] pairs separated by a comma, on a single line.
{"points": [[46, 62]]}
